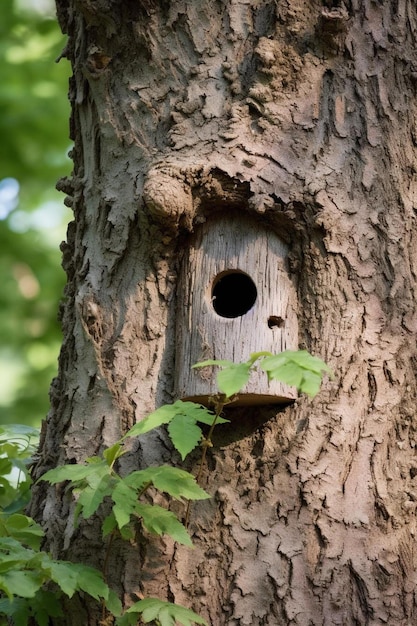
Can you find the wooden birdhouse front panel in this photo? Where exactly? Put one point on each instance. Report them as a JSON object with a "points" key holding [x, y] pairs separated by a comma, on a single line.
{"points": [[235, 297]]}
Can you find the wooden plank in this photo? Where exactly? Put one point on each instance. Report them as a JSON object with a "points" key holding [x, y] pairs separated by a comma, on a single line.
{"points": [[234, 246]]}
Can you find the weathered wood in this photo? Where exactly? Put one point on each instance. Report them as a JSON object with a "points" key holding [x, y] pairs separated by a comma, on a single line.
{"points": [[222, 247]]}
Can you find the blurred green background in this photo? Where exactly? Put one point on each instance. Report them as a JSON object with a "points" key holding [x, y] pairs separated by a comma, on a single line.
{"points": [[34, 144]]}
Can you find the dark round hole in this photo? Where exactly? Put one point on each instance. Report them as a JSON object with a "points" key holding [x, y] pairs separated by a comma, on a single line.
{"points": [[234, 294], [275, 321]]}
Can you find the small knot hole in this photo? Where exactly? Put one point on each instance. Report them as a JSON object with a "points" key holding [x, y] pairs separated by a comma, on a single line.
{"points": [[275, 321]]}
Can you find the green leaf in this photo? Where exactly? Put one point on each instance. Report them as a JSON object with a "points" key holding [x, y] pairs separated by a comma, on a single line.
{"points": [[125, 499], [289, 373], [184, 434], [9, 545], [65, 575], [21, 528], [127, 620], [159, 521], [109, 524], [165, 617], [21, 583], [44, 605], [24, 437], [181, 417], [308, 361], [176, 482], [233, 378], [139, 478], [5, 467], [73, 473], [296, 368], [208, 418], [161, 416], [91, 581], [72, 577], [153, 608], [18, 609], [310, 383], [198, 413], [91, 497], [113, 603], [301, 357], [113, 453]]}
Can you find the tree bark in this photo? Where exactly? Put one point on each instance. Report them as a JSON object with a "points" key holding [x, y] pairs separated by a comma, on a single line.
{"points": [[301, 115]]}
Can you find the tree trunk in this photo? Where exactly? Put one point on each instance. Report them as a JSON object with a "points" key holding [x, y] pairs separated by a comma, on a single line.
{"points": [[300, 115]]}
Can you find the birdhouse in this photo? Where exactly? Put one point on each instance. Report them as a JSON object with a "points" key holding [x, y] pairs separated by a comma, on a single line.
{"points": [[235, 297]]}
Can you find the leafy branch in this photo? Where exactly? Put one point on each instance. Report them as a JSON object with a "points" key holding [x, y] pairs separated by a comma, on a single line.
{"points": [[295, 368], [27, 573]]}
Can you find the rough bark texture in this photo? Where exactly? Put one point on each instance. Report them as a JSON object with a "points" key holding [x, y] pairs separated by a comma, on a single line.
{"points": [[302, 114]]}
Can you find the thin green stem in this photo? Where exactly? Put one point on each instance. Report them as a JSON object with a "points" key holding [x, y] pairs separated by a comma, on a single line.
{"points": [[206, 443]]}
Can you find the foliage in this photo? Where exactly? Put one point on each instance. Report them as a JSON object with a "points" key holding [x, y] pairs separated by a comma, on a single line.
{"points": [[31, 581], [166, 613], [296, 368], [25, 570], [33, 122], [17, 444], [98, 480], [182, 418]]}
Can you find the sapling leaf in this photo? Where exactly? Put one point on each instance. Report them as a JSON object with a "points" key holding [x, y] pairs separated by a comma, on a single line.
{"points": [[196, 412], [127, 620], [159, 521], [109, 524], [17, 608], [181, 418], [72, 577], [296, 368], [65, 575], [208, 418], [45, 605], [91, 581], [20, 583], [113, 453], [165, 414], [90, 497], [289, 373], [154, 609], [125, 499], [310, 383], [139, 478], [184, 434], [73, 473], [113, 603], [308, 361], [161, 416], [179, 484], [233, 378], [22, 528]]}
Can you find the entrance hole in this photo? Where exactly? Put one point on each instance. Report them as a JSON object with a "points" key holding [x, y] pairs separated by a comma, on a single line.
{"points": [[233, 294]]}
